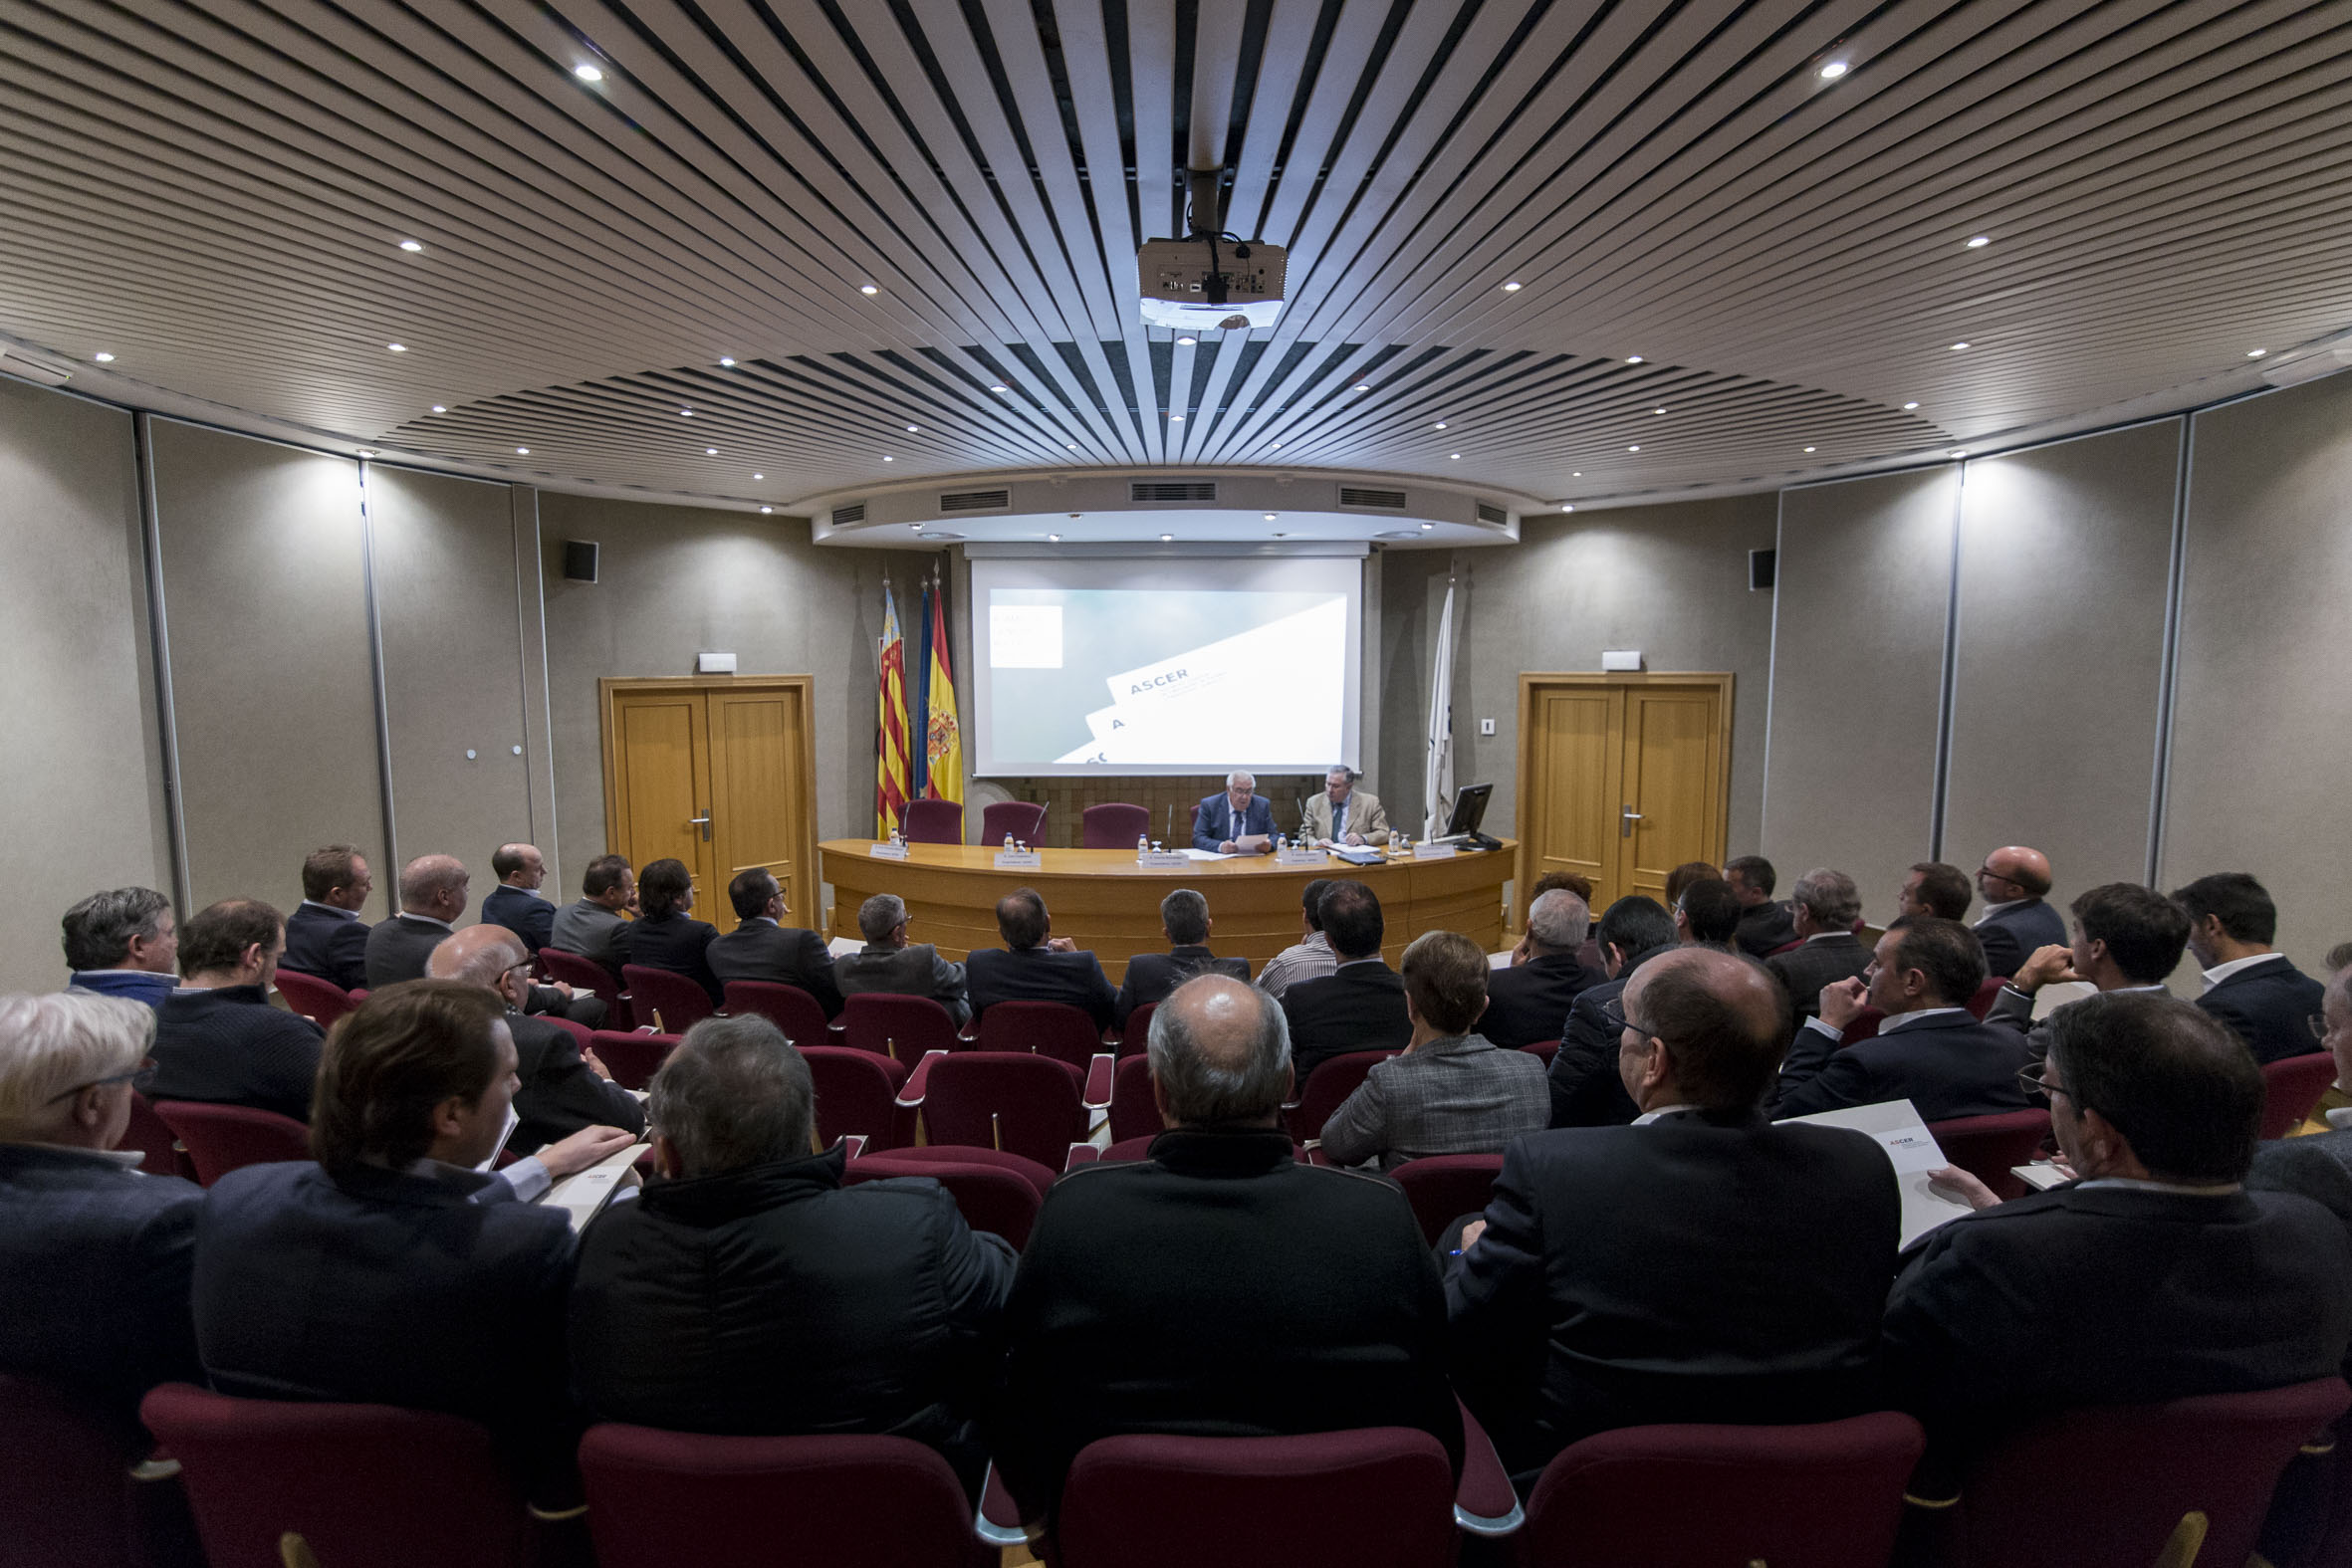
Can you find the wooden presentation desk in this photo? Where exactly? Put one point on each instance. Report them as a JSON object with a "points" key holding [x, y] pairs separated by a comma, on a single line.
{"points": [[1103, 900]]}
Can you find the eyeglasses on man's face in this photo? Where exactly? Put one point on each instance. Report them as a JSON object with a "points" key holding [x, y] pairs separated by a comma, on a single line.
{"points": [[141, 1076], [2038, 1087], [1612, 1013]]}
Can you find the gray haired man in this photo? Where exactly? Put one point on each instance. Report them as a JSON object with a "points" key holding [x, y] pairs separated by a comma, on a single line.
{"points": [[889, 963], [1528, 1002]]}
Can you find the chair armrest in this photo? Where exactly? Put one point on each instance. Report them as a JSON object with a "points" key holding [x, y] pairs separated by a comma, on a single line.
{"points": [[1484, 1503], [998, 1521], [1081, 1154], [918, 1081], [1315, 1152], [856, 1142], [1096, 1096]]}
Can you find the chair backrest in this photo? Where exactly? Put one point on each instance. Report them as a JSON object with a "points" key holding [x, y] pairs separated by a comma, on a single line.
{"points": [[671, 1001], [320, 1000], [1442, 1187], [1332, 1081], [146, 1133], [1827, 1495], [582, 1035], [2291, 1088], [634, 1058], [580, 973], [1988, 1147], [2111, 1485], [933, 822], [661, 1499], [1864, 1027], [1009, 1100], [362, 1485], [1135, 1147], [1023, 819], [65, 1485], [1982, 1002], [1048, 1029], [1112, 826], [1133, 1113], [1135, 1034], [888, 1025], [220, 1138], [1543, 1051], [991, 1197], [858, 1092], [788, 1007], [1379, 1494]]}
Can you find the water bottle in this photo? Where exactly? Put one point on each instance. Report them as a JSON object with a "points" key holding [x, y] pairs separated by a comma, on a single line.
{"points": [[1008, 843], [1142, 844], [1280, 843]]}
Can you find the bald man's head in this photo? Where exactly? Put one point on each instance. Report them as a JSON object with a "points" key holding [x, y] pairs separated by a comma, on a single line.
{"points": [[434, 885], [517, 865], [478, 955], [2012, 872], [1220, 1055], [1721, 1016]]}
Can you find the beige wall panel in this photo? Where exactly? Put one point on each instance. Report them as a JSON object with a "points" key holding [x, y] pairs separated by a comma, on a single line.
{"points": [[2260, 744], [2064, 556], [81, 787], [452, 665], [1857, 672], [271, 675]]}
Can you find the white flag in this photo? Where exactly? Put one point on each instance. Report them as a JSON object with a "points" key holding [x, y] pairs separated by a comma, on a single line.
{"points": [[1437, 778]]}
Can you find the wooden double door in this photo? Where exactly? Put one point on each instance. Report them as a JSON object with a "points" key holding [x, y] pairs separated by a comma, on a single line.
{"points": [[1622, 778], [719, 773]]}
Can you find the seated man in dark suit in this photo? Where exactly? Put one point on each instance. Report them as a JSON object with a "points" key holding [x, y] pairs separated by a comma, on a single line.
{"points": [[432, 896], [1527, 1001], [1033, 964], [393, 1270], [889, 963], [2126, 938], [562, 1086], [1706, 914], [2248, 984], [124, 943], [1931, 887], [325, 936], [1583, 1077], [1827, 904], [763, 948], [2155, 1276], [2317, 1165], [799, 1305], [2015, 922], [515, 903], [1184, 921], [1219, 1287], [217, 1039], [94, 1256], [1236, 820], [1359, 1006], [595, 925], [1930, 1050], [1702, 1264], [1763, 924]]}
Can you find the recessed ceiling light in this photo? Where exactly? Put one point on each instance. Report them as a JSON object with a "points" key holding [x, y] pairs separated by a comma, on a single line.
{"points": [[911, 430], [1055, 539], [1454, 456], [1957, 347], [726, 363], [2250, 353], [1175, 419], [1000, 389], [1634, 449], [758, 476], [1277, 447], [1069, 446], [522, 451], [1633, 358], [1568, 508], [867, 288], [588, 73], [1440, 425], [1273, 516], [685, 414], [1426, 526], [366, 451], [917, 527], [1835, 69], [888, 459], [1510, 287], [1187, 343], [1978, 242], [397, 347], [1657, 410], [1578, 473], [1960, 451], [103, 359], [764, 511], [1364, 387], [710, 451], [410, 246], [1167, 539], [440, 408], [1808, 449], [1906, 407]]}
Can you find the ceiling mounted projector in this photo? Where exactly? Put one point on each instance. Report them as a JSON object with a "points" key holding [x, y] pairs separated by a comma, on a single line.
{"points": [[1210, 280]]}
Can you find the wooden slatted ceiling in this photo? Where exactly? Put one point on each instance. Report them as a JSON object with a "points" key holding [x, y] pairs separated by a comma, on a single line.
{"points": [[213, 191]]}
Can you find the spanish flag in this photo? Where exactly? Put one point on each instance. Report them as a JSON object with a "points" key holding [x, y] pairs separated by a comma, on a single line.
{"points": [[890, 724], [943, 741]]}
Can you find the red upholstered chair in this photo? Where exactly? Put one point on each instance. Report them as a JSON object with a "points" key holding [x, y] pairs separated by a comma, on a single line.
{"points": [[585, 974], [858, 1092], [657, 1500], [1328, 1087], [1133, 1113], [320, 1000], [1135, 1034], [2109, 1487], [362, 1485], [1378, 1495], [161, 1147], [1987, 1146], [933, 822], [582, 1035], [1982, 1002], [634, 1058], [1827, 1496], [1790, 945], [1543, 1051], [1442, 1187], [220, 1138], [1864, 1027], [1114, 825], [892, 1026], [1048, 1029], [1039, 1176], [1023, 819], [788, 1007], [74, 1491], [1000, 1194], [1028, 1105], [1135, 1147], [670, 1002], [2291, 1088]]}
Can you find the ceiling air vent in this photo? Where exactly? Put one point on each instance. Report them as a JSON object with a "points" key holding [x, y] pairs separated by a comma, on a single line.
{"points": [[1187, 491], [1493, 513], [844, 517], [1360, 495], [976, 501]]}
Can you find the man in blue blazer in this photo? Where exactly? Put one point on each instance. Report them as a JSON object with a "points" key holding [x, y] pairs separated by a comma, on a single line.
{"points": [[2015, 923], [1236, 821], [325, 936], [2249, 985], [1033, 964]]}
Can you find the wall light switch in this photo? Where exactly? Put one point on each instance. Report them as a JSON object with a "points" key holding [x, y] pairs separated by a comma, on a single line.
{"points": [[1486, 727]]}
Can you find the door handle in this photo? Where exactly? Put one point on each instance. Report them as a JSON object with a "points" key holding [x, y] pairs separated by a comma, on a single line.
{"points": [[1626, 818], [705, 823]]}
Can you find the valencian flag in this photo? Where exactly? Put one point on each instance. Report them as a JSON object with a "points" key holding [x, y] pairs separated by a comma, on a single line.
{"points": [[890, 724], [943, 742]]}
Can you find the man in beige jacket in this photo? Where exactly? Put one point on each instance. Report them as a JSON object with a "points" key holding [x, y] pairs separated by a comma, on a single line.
{"points": [[1342, 813]]}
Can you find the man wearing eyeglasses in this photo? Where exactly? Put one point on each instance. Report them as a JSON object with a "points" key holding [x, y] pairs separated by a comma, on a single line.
{"points": [[563, 1087], [2015, 922], [2319, 1166]]}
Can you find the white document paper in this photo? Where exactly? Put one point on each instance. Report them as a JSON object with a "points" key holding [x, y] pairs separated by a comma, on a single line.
{"points": [[1914, 1151], [1206, 854], [584, 1193], [512, 1121], [842, 947], [2041, 1176]]}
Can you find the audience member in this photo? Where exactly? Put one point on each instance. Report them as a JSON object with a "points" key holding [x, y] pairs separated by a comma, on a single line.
{"points": [[1219, 1286], [2339, 955], [1452, 1091], [889, 963], [2318, 1166], [1707, 913], [2248, 984], [1764, 925], [1684, 875], [2016, 921], [1035, 965], [562, 1087], [515, 903], [2155, 1276], [1528, 1002], [217, 1038], [94, 1256], [123, 942], [1360, 1005], [1700, 1265], [1184, 921], [1930, 1051], [1583, 1081], [432, 896], [395, 1270], [1309, 957], [1826, 905], [595, 925], [662, 937], [325, 936], [748, 1291], [1342, 813], [763, 948], [1932, 888], [2126, 938]]}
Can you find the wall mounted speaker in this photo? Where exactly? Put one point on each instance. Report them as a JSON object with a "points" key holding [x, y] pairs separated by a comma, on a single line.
{"points": [[1763, 565], [580, 561]]}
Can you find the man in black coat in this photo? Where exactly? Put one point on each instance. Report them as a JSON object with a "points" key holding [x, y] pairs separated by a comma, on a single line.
{"points": [[1184, 921], [2126, 938], [2014, 881], [217, 1038], [1033, 964], [748, 1291], [515, 903], [1218, 1288], [1763, 924], [1528, 1001], [762, 948], [1360, 1005], [1699, 1265], [2249, 985], [1585, 1091], [325, 936], [564, 1088], [432, 896], [1827, 904]]}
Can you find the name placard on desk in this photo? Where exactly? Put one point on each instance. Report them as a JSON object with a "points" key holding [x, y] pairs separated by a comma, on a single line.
{"points": [[1018, 860], [1433, 851], [1294, 856], [888, 851], [1163, 859]]}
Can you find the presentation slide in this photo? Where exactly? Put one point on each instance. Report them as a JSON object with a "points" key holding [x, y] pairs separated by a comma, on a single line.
{"points": [[1166, 666]]}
